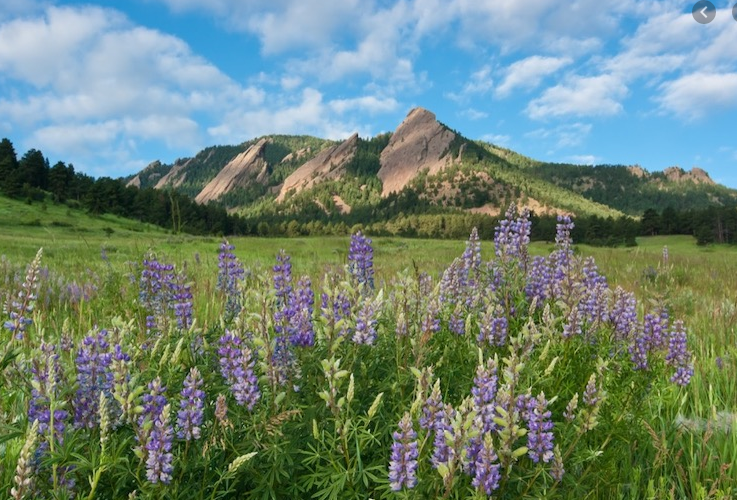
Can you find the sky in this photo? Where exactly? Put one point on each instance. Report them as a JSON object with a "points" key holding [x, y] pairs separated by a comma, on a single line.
{"points": [[111, 86]]}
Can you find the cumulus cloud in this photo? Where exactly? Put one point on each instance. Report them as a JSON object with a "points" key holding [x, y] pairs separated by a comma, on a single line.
{"points": [[695, 95], [308, 113], [528, 73], [479, 83], [104, 87], [584, 159], [474, 114], [581, 96], [562, 136], [370, 104]]}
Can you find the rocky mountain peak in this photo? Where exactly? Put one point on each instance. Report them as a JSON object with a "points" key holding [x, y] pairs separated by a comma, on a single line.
{"points": [[696, 175], [329, 164], [246, 166], [420, 142]]}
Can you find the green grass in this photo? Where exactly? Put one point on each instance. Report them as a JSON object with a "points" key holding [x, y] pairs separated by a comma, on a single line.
{"points": [[698, 284]]}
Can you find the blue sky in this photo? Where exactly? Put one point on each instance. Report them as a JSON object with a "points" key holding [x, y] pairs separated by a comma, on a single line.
{"points": [[113, 85]]}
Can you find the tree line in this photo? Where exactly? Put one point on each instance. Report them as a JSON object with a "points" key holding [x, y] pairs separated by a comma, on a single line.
{"points": [[404, 214]]}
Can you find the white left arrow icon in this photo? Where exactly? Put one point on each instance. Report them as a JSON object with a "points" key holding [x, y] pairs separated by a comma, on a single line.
{"points": [[703, 12]]}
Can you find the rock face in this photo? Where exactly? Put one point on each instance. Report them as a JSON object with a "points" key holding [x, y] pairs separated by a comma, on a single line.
{"points": [[237, 173], [329, 164], [174, 177], [637, 171], [696, 175], [146, 172], [420, 142]]}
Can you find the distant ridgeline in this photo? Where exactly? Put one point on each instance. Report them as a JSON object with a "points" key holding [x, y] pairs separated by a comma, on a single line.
{"points": [[423, 180]]}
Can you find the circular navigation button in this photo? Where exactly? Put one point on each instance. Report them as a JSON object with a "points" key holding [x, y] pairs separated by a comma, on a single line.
{"points": [[734, 12], [704, 12]]}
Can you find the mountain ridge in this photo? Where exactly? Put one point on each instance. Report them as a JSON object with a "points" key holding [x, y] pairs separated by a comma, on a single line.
{"points": [[289, 174]]}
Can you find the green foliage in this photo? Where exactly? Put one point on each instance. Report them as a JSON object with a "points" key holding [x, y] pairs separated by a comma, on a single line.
{"points": [[332, 437]]}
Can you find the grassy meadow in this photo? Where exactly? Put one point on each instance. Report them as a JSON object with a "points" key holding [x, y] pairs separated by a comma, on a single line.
{"points": [[684, 446]]}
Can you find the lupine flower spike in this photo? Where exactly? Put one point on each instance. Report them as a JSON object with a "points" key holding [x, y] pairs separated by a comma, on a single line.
{"points": [[403, 463]]}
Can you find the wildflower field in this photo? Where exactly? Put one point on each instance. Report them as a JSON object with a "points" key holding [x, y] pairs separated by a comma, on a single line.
{"points": [[136, 364]]}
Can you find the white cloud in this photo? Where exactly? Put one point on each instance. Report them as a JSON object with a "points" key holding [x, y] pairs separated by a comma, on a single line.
{"points": [[370, 104], [528, 73], [695, 95], [105, 87], [563, 136], [474, 114], [479, 83], [290, 82], [571, 28], [580, 96], [309, 113], [584, 159]]}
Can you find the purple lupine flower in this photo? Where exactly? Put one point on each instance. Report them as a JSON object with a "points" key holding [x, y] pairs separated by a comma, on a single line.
{"points": [[457, 321], [431, 319], [46, 377], [153, 405], [652, 336], [433, 409], [493, 326], [335, 307], [485, 385], [155, 289], [563, 230], [365, 331], [539, 280], [403, 462], [442, 453], [594, 303], [522, 404], [624, 314], [563, 255], [159, 457], [153, 401], [230, 273], [639, 348], [512, 236], [282, 277], [539, 436], [655, 327], [301, 331], [665, 256], [361, 260], [236, 366], [472, 262], [453, 283], [283, 361], [572, 325], [93, 377], [678, 354], [21, 308], [190, 415], [181, 300], [592, 393], [486, 468]]}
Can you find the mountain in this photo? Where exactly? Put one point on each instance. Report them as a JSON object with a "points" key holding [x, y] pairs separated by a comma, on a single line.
{"points": [[423, 166], [419, 143]]}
